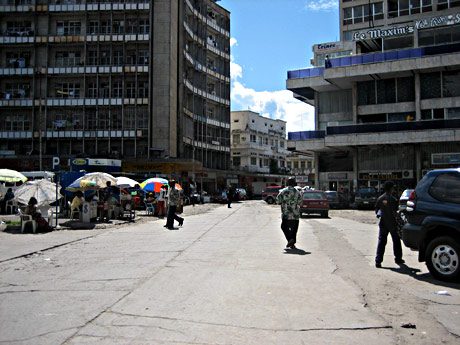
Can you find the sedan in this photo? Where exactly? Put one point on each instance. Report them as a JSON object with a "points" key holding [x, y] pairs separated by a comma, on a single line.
{"points": [[315, 202]]}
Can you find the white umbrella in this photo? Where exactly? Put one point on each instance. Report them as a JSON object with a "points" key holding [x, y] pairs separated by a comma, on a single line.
{"points": [[7, 175], [126, 182], [42, 190], [94, 180]]}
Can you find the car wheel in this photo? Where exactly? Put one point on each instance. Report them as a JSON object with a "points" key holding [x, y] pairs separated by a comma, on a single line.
{"points": [[442, 258], [270, 200]]}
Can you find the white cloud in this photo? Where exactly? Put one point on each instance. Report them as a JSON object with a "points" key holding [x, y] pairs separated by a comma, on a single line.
{"points": [[233, 41], [322, 5], [274, 104]]}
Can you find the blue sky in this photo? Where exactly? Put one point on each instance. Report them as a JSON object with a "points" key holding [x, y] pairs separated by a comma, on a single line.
{"points": [[270, 37]]}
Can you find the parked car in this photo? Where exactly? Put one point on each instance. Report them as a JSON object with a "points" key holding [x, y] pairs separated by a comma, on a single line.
{"points": [[404, 199], [433, 228], [270, 193], [336, 199], [366, 198], [241, 194], [315, 202]]}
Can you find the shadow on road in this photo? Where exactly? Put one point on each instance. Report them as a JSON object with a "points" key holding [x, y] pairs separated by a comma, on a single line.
{"points": [[425, 277], [296, 251]]}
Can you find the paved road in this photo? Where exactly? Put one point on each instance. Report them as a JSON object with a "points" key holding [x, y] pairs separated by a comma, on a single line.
{"points": [[223, 278]]}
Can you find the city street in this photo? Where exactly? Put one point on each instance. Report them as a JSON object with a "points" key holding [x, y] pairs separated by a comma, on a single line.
{"points": [[223, 278]]}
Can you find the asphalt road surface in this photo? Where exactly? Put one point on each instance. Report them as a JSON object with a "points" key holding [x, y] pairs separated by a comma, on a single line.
{"points": [[223, 278]]}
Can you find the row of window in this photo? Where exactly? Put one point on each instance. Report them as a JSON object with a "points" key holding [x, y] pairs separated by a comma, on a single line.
{"points": [[426, 115], [117, 89], [74, 27], [362, 13], [386, 91], [237, 139], [396, 8], [440, 84]]}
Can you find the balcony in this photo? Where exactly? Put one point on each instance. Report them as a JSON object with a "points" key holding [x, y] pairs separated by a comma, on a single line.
{"points": [[211, 71], [205, 94], [68, 134], [140, 5], [97, 69], [16, 71], [209, 21], [394, 55], [377, 134]]}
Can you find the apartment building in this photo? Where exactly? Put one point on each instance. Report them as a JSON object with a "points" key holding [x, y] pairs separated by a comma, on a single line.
{"points": [[387, 97], [137, 80], [301, 165], [258, 143]]}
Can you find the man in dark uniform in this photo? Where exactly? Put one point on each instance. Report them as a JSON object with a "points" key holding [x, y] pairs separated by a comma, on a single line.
{"points": [[386, 208]]}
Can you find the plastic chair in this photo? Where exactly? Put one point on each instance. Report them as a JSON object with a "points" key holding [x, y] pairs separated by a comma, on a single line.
{"points": [[25, 219], [11, 206], [150, 208]]}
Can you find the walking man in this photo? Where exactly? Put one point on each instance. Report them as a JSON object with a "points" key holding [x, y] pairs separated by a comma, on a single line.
{"points": [[173, 202], [290, 200], [385, 209]]}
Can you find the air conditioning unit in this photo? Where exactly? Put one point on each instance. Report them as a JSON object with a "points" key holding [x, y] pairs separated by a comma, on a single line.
{"points": [[408, 174]]}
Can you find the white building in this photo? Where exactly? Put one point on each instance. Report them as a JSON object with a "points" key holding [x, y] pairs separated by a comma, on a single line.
{"points": [[258, 144]]}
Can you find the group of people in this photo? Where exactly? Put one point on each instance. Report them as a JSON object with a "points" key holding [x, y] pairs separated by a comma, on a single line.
{"points": [[386, 209]]}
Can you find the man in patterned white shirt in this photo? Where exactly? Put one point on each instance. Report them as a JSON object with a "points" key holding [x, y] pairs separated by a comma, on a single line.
{"points": [[290, 200]]}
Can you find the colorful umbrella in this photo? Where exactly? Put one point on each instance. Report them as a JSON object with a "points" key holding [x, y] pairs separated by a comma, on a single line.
{"points": [[42, 190], [94, 180], [7, 175], [153, 184]]}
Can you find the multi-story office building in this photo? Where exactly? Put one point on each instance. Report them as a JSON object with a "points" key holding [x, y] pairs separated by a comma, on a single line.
{"points": [[301, 165], [142, 81], [387, 101], [258, 143]]}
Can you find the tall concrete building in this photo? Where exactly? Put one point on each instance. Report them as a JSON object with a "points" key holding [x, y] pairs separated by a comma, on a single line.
{"points": [[143, 81], [386, 97], [258, 143]]}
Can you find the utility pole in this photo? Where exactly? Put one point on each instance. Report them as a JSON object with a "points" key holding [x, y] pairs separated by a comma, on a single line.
{"points": [[40, 135]]}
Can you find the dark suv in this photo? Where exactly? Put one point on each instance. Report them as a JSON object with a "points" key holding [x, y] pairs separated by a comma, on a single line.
{"points": [[433, 228]]}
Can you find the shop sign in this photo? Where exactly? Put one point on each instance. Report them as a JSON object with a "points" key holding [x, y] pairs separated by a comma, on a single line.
{"points": [[328, 46], [450, 19], [301, 179], [337, 176], [79, 161], [382, 33], [445, 158], [395, 175]]}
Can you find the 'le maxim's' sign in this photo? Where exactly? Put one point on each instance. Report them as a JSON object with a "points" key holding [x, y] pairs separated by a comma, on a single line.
{"points": [[426, 23]]}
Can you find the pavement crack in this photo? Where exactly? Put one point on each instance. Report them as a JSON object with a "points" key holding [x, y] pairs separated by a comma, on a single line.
{"points": [[36, 336], [313, 329]]}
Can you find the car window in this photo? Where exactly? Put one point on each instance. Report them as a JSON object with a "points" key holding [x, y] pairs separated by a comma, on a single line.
{"points": [[446, 188], [313, 196]]}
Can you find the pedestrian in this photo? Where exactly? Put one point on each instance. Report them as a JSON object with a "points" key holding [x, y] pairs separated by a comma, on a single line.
{"points": [[327, 62], [230, 195], [385, 209], [290, 200], [173, 202], [9, 195], [161, 201]]}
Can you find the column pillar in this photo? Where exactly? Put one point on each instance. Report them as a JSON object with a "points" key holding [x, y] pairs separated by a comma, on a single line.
{"points": [[418, 162], [316, 165], [418, 111], [355, 169]]}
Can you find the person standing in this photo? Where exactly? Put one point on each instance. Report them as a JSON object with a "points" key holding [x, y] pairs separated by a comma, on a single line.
{"points": [[385, 209], [173, 202], [290, 200]]}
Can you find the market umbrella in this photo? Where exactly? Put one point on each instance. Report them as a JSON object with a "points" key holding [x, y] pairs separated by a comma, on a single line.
{"points": [[7, 175], [126, 182], [42, 190], [89, 181], [153, 184]]}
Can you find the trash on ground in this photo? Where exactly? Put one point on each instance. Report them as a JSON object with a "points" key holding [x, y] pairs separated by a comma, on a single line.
{"points": [[443, 293], [408, 325]]}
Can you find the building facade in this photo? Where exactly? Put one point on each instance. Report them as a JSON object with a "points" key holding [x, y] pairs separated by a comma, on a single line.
{"points": [[258, 143], [302, 166], [137, 80], [387, 103]]}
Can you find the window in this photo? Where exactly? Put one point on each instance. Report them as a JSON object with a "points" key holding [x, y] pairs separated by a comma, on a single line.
{"points": [[236, 138], [93, 27], [130, 90], [405, 89], [143, 57], [104, 58], [266, 141], [118, 57], [144, 26], [281, 143], [17, 90], [253, 161], [386, 91], [17, 123], [432, 114], [118, 26], [348, 15], [443, 4], [236, 161], [143, 89], [106, 27], [236, 120], [430, 85], [302, 165], [92, 58], [444, 35], [91, 90], [117, 89], [104, 90], [296, 165], [19, 28], [366, 92], [446, 187], [405, 7], [453, 113], [253, 138], [66, 59], [131, 27], [68, 90], [451, 83], [17, 59], [65, 28]]}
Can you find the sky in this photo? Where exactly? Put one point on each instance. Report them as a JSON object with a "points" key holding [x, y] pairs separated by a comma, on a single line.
{"points": [[268, 38]]}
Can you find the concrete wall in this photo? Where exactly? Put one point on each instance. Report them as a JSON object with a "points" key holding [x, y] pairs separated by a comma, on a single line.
{"points": [[165, 77]]}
